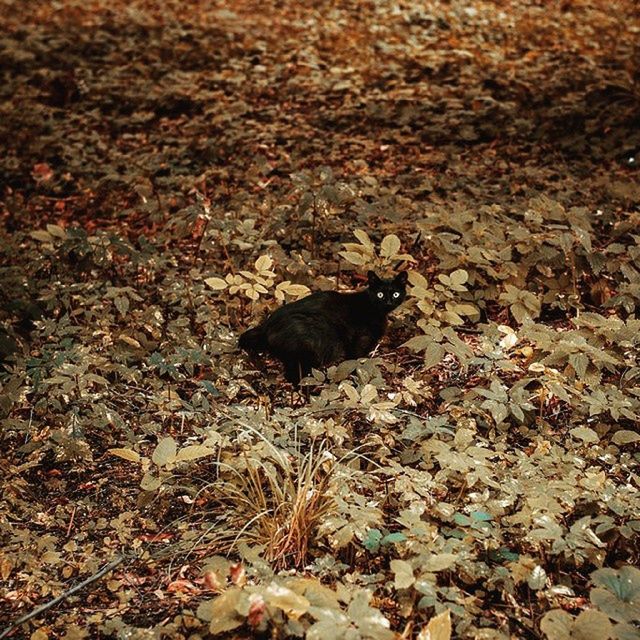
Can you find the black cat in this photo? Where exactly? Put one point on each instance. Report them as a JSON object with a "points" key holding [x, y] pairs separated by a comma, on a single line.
{"points": [[327, 326]]}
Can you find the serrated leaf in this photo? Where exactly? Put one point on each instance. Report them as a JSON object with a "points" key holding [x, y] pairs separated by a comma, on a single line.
{"points": [[126, 454], [165, 452], [390, 246], [217, 284]]}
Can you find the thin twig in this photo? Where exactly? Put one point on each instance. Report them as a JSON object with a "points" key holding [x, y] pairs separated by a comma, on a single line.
{"points": [[73, 515], [63, 596]]}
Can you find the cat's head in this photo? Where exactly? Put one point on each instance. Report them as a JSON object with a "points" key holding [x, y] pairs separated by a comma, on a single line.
{"points": [[387, 294]]}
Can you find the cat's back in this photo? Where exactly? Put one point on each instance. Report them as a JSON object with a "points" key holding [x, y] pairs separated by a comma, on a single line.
{"points": [[318, 303]]}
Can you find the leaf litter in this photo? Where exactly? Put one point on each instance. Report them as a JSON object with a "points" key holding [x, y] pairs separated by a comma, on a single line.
{"points": [[172, 171]]}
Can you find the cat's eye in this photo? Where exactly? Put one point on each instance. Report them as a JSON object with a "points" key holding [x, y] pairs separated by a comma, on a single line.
{"points": [[380, 295], [396, 294]]}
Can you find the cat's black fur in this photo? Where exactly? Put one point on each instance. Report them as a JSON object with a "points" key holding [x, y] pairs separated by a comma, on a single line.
{"points": [[327, 326]]}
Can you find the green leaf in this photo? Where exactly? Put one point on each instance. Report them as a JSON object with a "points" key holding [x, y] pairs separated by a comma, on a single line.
{"points": [[504, 554], [393, 538], [372, 541], [481, 516], [620, 597], [461, 519]]}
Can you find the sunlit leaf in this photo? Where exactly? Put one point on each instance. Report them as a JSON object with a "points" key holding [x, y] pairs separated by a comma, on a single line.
{"points": [[165, 452], [390, 246], [127, 454], [353, 257], [192, 452], [216, 283], [624, 436], [403, 572], [263, 263], [438, 628], [585, 434]]}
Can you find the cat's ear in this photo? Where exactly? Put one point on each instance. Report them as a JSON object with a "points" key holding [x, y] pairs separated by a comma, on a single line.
{"points": [[401, 278], [372, 278]]}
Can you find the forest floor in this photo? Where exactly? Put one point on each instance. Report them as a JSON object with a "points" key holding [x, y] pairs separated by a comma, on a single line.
{"points": [[169, 171]]}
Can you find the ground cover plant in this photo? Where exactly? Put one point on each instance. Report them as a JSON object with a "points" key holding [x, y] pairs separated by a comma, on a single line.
{"points": [[170, 172]]}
